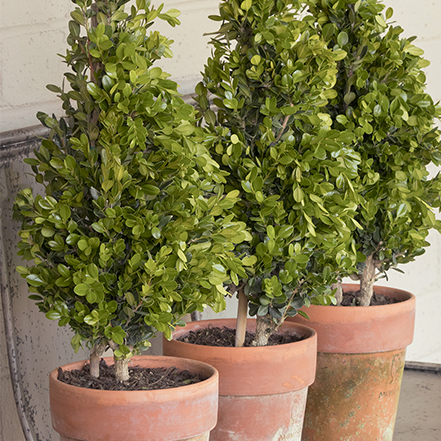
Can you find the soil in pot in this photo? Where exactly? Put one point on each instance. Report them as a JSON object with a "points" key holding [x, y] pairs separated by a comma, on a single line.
{"points": [[226, 337], [350, 298], [140, 378]]}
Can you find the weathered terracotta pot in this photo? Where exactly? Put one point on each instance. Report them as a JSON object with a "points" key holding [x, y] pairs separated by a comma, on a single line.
{"points": [[262, 390], [359, 368], [183, 413]]}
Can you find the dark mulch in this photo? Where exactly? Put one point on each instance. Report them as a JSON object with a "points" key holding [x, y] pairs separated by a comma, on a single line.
{"points": [[140, 378], [350, 298], [226, 337]]}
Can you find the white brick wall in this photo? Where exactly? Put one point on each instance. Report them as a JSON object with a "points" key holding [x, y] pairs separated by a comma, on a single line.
{"points": [[32, 33]]}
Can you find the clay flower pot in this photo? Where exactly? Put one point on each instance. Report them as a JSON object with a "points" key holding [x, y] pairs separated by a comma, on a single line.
{"points": [[262, 390], [360, 366], [183, 413]]}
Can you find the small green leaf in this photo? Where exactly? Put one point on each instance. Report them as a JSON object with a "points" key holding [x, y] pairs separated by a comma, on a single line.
{"points": [[93, 89], [22, 270], [271, 232], [34, 280], [234, 139], [47, 232], [53, 88], [82, 289], [151, 190], [256, 59], [182, 256], [249, 260], [185, 129], [298, 194], [246, 4], [349, 97], [53, 315], [413, 50], [155, 72], [98, 228], [342, 38], [341, 119], [329, 94], [377, 110], [389, 13], [380, 20], [65, 212], [263, 310]]}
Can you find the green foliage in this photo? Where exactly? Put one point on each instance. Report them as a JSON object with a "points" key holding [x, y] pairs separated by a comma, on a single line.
{"points": [[380, 97], [270, 77], [131, 233]]}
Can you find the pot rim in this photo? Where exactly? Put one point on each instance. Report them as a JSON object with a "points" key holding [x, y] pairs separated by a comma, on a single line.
{"points": [[363, 329], [213, 374], [256, 370]]}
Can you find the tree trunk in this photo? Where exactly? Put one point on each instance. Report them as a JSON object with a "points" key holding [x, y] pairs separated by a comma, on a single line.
{"points": [[264, 329], [339, 293], [195, 316], [121, 369], [367, 280], [95, 354], [241, 323]]}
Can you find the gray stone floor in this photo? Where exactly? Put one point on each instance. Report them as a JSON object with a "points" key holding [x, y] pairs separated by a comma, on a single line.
{"points": [[419, 409]]}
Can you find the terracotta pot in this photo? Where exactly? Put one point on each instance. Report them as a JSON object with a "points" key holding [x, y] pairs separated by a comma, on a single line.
{"points": [[359, 368], [262, 390], [183, 413]]}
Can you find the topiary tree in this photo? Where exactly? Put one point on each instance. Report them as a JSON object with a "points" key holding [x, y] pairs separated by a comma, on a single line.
{"points": [[380, 97], [270, 77], [129, 234]]}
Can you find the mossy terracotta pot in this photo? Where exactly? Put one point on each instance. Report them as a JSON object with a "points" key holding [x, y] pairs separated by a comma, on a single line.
{"points": [[360, 366], [262, 390], [182, 413]]}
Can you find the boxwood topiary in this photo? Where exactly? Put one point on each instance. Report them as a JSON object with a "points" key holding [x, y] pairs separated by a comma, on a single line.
{"points": [[380, 97], [130, 233], [263, 98]]}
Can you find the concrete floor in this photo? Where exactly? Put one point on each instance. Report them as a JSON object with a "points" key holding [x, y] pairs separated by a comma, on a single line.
{"points": [[419, 409]]}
